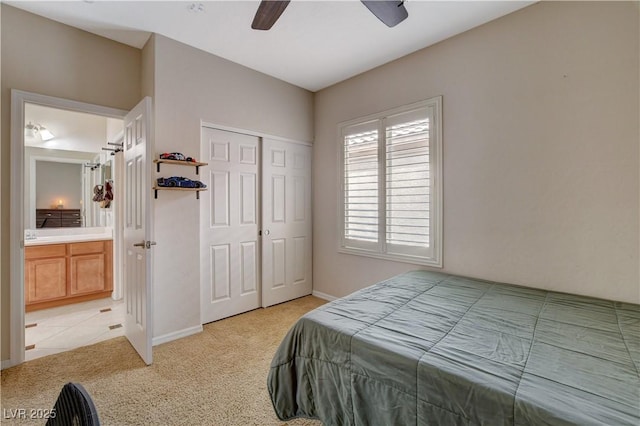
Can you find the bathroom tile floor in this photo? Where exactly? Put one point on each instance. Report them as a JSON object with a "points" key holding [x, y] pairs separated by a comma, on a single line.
{"points": [[59, 329]]}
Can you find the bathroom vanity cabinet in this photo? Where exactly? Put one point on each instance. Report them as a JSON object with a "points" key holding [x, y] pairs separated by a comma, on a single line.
{"points": [[60, 274]]}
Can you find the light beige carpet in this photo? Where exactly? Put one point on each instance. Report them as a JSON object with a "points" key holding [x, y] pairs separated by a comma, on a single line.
{"points": [[217, 377]]}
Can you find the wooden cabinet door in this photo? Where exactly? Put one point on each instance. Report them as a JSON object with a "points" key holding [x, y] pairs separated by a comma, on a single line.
{"points": [[86, 273], [46, 279]]}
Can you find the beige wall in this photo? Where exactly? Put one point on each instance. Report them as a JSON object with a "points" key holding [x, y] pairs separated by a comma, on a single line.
{"points": [[58, 181], [541, 154], [148, 67], [190, 86], [46, 57]]}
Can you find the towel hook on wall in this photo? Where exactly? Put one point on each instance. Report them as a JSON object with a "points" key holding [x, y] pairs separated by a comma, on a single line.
{"points": [[93, 166], [114, 151]]}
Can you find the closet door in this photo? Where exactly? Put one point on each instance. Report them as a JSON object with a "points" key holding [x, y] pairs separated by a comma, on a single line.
{"points": [[229, 245], [286, 221]]}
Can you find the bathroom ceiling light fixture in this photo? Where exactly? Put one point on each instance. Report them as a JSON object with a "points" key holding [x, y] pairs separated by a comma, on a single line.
{"points": [[36, 130], [30, 130], [46, 134]]}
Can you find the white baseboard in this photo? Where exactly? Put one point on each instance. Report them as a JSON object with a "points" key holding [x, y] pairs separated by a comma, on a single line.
{"points": [[158, 340], [323, 295]]}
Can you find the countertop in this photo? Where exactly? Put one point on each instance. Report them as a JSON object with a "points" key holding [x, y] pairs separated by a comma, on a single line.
{"points": [[62, 239]]}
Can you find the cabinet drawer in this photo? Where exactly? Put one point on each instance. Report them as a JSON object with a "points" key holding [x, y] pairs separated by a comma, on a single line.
{"points": [[86, 248], [71, 223], [47, 214], [71, 214], [51, 223], [39, 252]]}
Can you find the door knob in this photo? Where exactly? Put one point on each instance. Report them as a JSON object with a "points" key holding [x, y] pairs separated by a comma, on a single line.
{"points": [[267, 232], [145, 244]]}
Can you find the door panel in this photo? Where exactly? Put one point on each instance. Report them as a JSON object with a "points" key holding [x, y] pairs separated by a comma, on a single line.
{"points": [[286, 193], [248, 199], [220, 276], [299, 252], [249, 267], [279, 261], [278, 198], [137, 229], [230, 279]]}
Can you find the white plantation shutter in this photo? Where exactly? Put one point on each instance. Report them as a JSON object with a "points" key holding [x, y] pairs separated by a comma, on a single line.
{"points": [[361, 185], [408, 183], [391, 184]]}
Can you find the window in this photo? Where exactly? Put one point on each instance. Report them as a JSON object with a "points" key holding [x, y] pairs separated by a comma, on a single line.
{"points": [[391, 169]]}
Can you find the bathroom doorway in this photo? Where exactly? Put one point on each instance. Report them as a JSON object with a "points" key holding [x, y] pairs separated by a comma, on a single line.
{"points": [[72, 229]]}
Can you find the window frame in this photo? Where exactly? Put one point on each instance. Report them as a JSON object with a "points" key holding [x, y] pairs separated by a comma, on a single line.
{"points": [[379, 249]]}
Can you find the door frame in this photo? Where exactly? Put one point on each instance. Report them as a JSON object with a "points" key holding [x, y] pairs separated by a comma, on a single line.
{"points": [[16, 215], [263, 135], [117, 174]]}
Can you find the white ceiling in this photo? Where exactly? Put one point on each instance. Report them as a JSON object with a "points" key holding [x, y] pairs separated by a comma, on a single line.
{"points": [[73, 131], [313, 45]]}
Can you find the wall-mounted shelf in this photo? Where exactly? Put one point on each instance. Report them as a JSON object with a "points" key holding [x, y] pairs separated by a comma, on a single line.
{"points": [[195, 164], [179, 163], [172, 188]]}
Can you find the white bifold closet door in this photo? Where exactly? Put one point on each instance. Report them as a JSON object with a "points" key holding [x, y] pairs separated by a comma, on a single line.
{"points": [[249, 238]]}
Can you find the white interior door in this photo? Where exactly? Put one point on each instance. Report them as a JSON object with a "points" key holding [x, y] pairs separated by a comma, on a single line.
{"points": [[229, 215], [286, 221], [137, 229]]}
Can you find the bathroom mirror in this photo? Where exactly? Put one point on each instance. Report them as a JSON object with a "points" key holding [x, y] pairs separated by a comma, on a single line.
{"points": [[61, 172]]}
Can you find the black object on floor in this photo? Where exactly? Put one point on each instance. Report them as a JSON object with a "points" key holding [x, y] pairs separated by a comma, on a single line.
{"points": [[74, 406]]}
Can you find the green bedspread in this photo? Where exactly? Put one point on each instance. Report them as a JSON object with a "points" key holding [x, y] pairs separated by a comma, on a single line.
{"points": [[429, 348]]}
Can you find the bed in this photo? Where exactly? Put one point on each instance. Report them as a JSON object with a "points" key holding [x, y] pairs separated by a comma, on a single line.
{"points": [[430, 348]]}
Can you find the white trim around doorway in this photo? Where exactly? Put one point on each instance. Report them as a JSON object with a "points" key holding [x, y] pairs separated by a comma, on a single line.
{"points": [[16, 194]]}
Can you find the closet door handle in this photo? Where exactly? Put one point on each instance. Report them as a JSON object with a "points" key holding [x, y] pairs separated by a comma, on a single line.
{"points": [[267, 232]]}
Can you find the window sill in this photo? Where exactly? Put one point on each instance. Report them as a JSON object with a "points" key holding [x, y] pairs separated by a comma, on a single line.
{"points": [[422, 261]]}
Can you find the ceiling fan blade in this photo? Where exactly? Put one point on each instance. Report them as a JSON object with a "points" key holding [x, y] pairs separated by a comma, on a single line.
{"points": [[391, 13], [268, 13]]}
